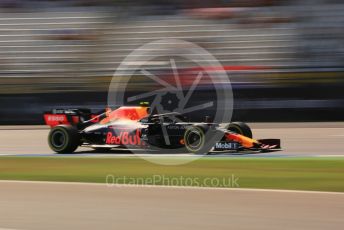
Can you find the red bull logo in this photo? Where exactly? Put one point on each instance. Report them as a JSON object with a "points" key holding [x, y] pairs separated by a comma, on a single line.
{"points": [[124, 138]]}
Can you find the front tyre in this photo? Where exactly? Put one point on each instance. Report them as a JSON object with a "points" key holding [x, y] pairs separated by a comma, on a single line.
{"points": [[64, 139], [240, 128], [195, 140]]}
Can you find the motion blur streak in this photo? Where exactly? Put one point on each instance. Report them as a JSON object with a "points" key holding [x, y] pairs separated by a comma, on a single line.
{"points": [[298, 140], [286, 53]]}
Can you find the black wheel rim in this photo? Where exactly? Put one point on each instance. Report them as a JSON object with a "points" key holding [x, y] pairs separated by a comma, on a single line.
{"points": [[58, 139], [194, 139]]}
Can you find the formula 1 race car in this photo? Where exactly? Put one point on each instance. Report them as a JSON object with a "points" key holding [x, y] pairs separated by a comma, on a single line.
{"points": [[133, 127]]}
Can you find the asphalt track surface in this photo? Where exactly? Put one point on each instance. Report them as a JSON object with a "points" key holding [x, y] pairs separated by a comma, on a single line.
{"points": [[56, 205], [298, 140], [39, 205]]}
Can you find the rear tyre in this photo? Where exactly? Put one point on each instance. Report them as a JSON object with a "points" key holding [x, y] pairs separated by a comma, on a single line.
{"points": [[64, 139], [240, 128], [195, 140]]}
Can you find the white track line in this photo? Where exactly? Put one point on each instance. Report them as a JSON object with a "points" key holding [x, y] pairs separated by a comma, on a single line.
{"points": [[334, 155], [172, 187]]}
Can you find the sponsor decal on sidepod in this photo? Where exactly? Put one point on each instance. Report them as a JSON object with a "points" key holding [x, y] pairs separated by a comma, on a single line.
{"points": [[124, 138]]}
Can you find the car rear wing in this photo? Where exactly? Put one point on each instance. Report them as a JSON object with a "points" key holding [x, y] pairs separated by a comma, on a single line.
{"points": [[76, 117]]}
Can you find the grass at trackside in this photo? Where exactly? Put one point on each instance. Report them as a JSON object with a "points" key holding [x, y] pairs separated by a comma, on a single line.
{"points": [[321, 174]]}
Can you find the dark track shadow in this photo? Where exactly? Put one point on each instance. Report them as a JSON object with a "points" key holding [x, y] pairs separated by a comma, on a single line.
{"points": [[152, 152]]}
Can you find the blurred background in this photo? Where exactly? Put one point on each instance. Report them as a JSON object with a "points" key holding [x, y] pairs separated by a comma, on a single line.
{"points": [[285, 58]]}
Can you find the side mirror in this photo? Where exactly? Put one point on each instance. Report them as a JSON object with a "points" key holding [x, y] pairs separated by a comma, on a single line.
{"points": [[207, 119]]}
